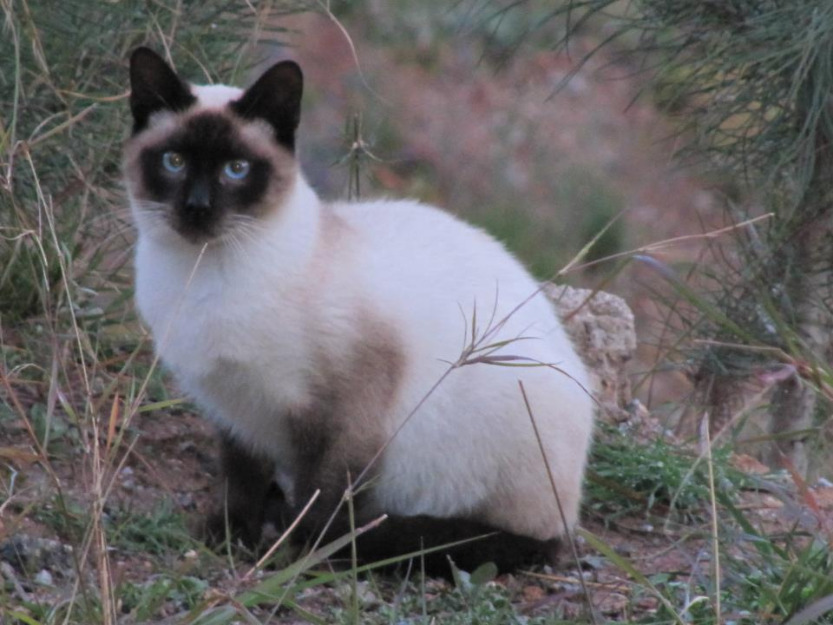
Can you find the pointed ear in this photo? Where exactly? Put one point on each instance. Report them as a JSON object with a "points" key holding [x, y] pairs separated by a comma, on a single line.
{"points": [[154, 86], [275, 98]]}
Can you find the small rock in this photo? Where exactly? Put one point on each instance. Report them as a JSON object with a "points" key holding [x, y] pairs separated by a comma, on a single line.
{"points": [[768, 501], [126, 477], [824, 497], [28, 554], [186, 501], [367, 598], [188, 446], [647, 604], [44, 578], [637, 410], [593, 562], [749, 465], [613, 604], [533, 593], [602, 328], [572, 609], [8, 574], [623, 550]]}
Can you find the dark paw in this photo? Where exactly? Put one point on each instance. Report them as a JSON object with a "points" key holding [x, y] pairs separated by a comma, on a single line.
{"points": [[277, 512], [222, 529]]}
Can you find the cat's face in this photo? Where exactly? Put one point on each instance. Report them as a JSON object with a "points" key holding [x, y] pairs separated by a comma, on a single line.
{"points": [[209, 162]]}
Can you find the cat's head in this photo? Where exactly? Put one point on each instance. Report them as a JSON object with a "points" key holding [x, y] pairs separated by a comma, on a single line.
{"points": [[204, 161]]}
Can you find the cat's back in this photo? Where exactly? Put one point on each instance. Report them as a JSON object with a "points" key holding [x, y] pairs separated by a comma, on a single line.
{"points": [[437, 277], [414, 242]]}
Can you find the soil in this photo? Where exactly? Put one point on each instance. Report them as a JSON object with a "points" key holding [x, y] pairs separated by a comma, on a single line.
{"points": [[172, 462]]}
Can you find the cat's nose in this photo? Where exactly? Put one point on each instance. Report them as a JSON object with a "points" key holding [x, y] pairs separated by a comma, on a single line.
{"points": [[199, 197]]}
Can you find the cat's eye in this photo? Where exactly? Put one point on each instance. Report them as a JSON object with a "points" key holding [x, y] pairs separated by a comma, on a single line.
{"points": [[174, 162], [237, 169]]}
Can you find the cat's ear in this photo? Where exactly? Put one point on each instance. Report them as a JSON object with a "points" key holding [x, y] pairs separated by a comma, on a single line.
{"points": [[275, 98], [154, 86]]}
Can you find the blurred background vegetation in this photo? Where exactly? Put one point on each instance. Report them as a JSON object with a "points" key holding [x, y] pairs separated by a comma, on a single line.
{"points": [[750, 84]]}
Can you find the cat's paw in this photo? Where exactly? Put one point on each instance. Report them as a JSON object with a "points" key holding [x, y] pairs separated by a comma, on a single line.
{"points": [[220, 529]]}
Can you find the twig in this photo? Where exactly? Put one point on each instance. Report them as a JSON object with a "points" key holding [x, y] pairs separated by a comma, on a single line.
{"points": [[283, 536], [706, 441], [567, 533], [659, 245], [325, 6]]}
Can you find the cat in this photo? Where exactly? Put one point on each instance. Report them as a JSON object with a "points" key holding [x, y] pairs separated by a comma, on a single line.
{"points": [[314, 334]]}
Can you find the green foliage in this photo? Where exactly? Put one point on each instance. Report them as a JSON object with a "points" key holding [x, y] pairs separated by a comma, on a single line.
{"points": [[759, 590], [749, 84], [780, 577], [469, 602], [160, 532], [789, 580], [585, 203], [143, 601], [628, 477], [67, 518], [752, 77], [532, 239], [765, 577], [593, 197], [50, 427]]}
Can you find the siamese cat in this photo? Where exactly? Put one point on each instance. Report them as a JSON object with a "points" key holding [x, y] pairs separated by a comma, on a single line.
{"points": [[314, 335]]}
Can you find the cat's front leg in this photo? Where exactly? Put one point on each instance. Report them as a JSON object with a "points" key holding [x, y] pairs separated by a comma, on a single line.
{"points": [[325, 463], [244, 492]]}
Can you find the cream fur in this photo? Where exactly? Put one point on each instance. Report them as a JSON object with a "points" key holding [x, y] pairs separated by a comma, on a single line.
{"points": [[236, 326]]}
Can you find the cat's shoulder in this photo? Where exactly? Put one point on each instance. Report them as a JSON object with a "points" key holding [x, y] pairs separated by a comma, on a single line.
{"points": [[385, 219]]}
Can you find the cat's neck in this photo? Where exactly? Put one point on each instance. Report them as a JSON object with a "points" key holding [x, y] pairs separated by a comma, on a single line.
{"points": [[282, 243], [289, 237]]}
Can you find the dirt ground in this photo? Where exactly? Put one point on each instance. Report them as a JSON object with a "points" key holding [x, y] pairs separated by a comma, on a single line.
{"points": [[172, 462]]}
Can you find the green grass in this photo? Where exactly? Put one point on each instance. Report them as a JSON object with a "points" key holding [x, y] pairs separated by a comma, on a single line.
{"points": [[160, 532], [484, 604], [660, 477], [145, 600]]}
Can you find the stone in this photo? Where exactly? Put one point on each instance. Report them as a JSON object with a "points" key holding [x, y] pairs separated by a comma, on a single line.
{"points": [[30, 554], [44, 578], [602, 328]]}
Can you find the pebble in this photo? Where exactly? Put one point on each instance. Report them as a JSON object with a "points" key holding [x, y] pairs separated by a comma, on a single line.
{"points": [[44, 578]]}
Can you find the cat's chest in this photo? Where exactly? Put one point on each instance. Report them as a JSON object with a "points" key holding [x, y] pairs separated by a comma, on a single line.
{"points": [[248, 400], [230, 339]]}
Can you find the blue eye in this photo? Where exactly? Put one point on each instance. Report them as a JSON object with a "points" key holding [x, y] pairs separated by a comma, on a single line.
{"points": [[237, 170], [174, 162]]}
